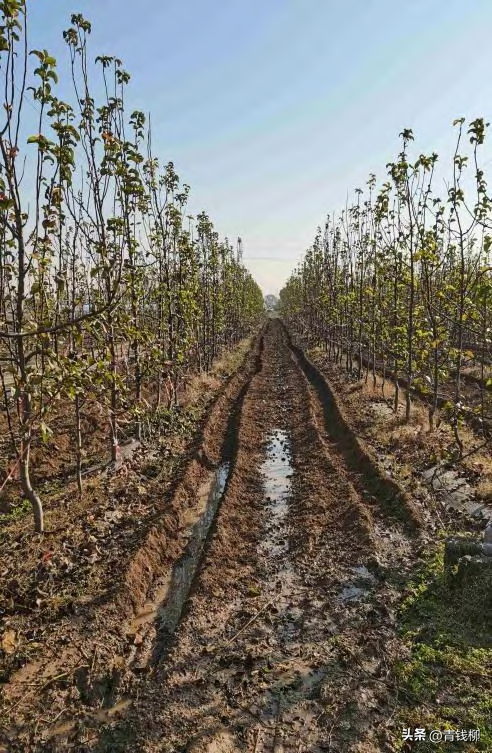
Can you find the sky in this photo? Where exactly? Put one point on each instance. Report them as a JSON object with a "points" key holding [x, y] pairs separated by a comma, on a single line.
{"points": [[274, 110]]}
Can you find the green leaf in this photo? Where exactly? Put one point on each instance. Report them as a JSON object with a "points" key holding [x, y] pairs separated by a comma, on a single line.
{"points": [[46, 432]]}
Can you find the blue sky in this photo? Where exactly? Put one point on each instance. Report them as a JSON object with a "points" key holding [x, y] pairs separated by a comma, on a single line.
{"points": [[273, 109]]}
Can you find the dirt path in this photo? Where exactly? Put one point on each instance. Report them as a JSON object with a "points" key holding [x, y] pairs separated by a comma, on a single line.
{"points": [[287, 634]]}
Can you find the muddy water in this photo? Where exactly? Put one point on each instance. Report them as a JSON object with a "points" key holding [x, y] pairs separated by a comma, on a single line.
{"points": [[276, 471], [160, 615], [359, 585], [184, 572], [274, 549], [282, 580], [285, 590]]}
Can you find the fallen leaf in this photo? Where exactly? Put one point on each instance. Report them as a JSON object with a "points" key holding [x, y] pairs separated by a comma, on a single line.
{"points": [[9, 640]]}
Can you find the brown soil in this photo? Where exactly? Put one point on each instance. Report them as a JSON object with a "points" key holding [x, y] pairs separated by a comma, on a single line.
{"points": [[288, 632], [406, 450], [66, 597], [288, 635]]}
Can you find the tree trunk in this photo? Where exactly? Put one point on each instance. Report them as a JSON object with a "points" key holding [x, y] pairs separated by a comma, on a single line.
{"points": [[26, 485]]}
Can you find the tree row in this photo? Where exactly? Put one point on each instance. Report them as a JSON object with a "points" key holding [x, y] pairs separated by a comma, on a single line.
{"points": [[109, 288], [400, 282]]}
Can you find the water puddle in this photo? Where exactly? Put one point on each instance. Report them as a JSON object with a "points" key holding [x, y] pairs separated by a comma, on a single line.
{"points": [[283, 581], [359, 585], [184, 572], [168, 600], [277, 471], [294, 680]]}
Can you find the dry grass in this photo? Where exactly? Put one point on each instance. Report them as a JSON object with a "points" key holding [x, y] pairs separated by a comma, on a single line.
{"points": [[484, 490], [199, 384]]}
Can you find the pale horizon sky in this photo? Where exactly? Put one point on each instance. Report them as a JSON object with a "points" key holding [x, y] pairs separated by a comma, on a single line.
{"points": [[273, 111]]}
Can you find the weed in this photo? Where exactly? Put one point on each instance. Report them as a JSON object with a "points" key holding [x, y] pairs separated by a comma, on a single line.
{"points": [[447, 682], [16, 513]]}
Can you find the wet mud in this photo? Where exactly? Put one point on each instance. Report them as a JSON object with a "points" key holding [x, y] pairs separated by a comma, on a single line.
{"points": [[283, 640], [274, 629]]}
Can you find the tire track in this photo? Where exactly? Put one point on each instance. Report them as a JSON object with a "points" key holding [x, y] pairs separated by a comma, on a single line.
{"points": [[380, 494], [282, 644]]}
